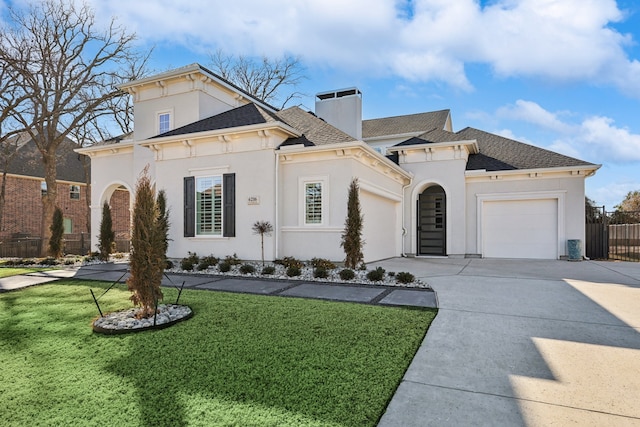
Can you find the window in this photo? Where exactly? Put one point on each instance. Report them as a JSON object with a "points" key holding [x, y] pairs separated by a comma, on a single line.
{"points": [[164, 122], [209, 205], [67, 224], [74, 192], [43, 188], [313, 203]]}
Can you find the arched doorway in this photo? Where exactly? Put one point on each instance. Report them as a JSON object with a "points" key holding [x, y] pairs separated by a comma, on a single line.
{"points": [[119, 202], [432, 222]]}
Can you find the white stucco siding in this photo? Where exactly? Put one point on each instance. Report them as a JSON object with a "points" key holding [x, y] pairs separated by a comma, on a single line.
{"points": [[254, 201], [562, 188], [380, 197], [449, 174]]}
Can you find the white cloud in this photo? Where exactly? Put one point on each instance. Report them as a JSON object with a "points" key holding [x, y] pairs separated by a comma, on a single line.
{"points": [[612, 194], [549, 39], [595, 138]]}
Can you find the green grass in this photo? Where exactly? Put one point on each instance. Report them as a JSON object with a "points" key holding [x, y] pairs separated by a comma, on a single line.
{"points": [[10, 271], [242, 360]]}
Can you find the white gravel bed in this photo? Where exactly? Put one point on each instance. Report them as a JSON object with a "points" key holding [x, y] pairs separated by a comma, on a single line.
{"points": [[126, 319], [306, 275]]}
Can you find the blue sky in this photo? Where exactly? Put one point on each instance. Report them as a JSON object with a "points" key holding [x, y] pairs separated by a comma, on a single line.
{"points": [[560, 74]]}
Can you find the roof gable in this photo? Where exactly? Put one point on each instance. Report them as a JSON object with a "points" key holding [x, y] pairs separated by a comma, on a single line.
{"points": [[433, 136]]}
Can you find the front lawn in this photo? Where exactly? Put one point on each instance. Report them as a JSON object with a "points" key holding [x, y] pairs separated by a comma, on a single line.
{"points": [[242, 360], [10, 271]]}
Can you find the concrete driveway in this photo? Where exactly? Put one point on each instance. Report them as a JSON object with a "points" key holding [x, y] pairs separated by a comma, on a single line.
{"points": [[524, 342]]}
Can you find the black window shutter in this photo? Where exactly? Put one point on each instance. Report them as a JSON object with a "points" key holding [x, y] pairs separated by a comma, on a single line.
{"points": [[189, 206], [229, 204]]}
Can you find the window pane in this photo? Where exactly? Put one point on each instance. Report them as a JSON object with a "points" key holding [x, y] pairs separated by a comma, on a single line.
{"points": [[209, 205], [164, 122], [313, 203], [74, 192], [67, 224]]}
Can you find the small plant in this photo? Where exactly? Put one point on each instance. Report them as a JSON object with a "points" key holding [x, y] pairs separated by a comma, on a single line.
{"points": [[347, 274], [322, 263], [405, 277], [169, 264], [376, 275], [69, 262], [290, 261], [320, 273], [293, 271], [268, 270], [190, 261], [247, 269], [224, 267], [262, 228], [48, 261], [232, 259], [391, 273], [207, 261]]}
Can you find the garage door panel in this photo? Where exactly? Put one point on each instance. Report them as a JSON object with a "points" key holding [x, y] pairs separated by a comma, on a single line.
{"points": [[520, 229]]}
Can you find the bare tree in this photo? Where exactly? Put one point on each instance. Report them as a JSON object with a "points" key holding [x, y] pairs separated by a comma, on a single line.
{"points": [[262, 77], [68, 70]]}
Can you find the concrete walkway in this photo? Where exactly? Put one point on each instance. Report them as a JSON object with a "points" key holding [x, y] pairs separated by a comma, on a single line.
{"points": [[524, 342], [112, 272]]}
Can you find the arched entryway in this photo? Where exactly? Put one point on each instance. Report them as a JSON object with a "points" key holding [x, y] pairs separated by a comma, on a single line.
{"points": [[432, 222]]}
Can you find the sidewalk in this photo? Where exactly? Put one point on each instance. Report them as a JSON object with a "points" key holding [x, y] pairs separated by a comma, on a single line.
{"points": [[365, 294]]}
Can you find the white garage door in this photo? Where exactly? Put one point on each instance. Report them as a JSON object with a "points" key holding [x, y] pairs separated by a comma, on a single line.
{"points": [[520, 229]]}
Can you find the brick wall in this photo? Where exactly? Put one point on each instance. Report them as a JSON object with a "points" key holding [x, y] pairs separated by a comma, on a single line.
{"points": [[120, 214], [23, 207]]}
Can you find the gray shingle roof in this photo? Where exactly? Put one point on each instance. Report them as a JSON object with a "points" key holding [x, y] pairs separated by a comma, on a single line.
{"points": [[499, 153], [28, 162], [314, 130], [249, 114], [421, 122], [431, 137]]}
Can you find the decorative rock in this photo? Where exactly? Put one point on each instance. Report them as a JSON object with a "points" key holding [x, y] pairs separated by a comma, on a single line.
{"points": [[125, 321]]}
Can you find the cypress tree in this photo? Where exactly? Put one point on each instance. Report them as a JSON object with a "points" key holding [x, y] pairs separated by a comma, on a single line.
{"points": [[352, 242], [148, 242], [107, 236], [57, 231]]}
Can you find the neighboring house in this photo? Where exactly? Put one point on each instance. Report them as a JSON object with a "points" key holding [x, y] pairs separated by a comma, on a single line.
{"points": [[22, 213], [227, 160]]}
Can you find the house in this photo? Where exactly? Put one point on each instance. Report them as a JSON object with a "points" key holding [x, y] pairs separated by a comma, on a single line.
{"points": [[21, 226], [227, 160]]}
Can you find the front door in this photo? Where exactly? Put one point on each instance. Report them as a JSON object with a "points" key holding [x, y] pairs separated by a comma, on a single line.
{"points": [[432, 215]]}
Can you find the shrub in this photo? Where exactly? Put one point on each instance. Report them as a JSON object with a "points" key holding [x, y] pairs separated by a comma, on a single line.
{"points": [[232, 259], [190, 261], [169, 264], [224, 266], [293, 271], [320, 273], [405, 277], [290, 261], [322, 263], [207, 261], [107, 237], [347, 274], [48, 261], [391, 273], [351, 240], [376, 275], [57, 232], [247, 269], [268, 270]]}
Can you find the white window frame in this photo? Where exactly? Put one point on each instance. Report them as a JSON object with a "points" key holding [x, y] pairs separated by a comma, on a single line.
{"points": [[217, 180], [159, 115], [302, 197], [74, 190]]}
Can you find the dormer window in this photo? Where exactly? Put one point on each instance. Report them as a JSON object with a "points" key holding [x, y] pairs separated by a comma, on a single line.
{"points": [[164, 122]]}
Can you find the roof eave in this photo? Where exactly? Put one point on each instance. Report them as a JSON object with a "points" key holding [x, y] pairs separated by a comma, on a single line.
{"points": [[589, 168]]}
